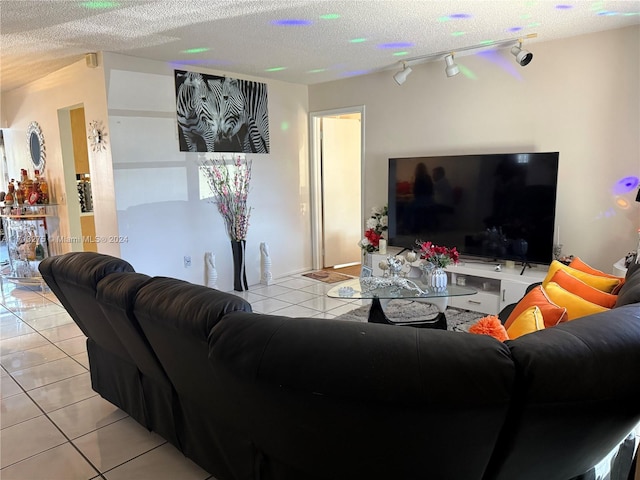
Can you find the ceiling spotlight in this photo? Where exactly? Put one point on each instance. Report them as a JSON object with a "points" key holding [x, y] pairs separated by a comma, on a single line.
{"points": [[451, 69], [523, 57], [402, 75]]}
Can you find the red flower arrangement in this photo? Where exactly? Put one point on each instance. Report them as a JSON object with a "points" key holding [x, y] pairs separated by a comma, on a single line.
{"points": [[373, 237], [440, 257], [376, 225]]}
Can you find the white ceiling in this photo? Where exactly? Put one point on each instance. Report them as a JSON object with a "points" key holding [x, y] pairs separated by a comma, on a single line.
{"points": [[39, 37]]}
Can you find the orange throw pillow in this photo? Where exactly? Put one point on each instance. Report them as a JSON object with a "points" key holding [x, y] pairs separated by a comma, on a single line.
{"points": [[551, 313], [490, 325], [578, 287], [578, 264], [606, 284]]}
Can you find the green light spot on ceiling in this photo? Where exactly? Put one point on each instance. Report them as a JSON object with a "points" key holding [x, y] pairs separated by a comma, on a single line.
{"points": [[534, 24], [597, 6], [486, 42], [275, 69], [284, 126], [330, 16], [99, 5], [466, 72], [526, 16], [400, 54], [317, 70], [458, 34], [357, 40], [196, 50], [443, 19], [630, 14]]}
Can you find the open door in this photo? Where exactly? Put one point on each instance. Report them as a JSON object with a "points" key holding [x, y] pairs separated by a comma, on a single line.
{"points": [[341, 190]]}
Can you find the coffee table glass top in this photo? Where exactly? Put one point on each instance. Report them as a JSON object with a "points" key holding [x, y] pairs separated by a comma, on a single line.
{"points": [[354, 289]]}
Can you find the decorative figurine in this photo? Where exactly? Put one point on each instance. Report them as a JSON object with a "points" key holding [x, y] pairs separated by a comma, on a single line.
{"points": [[210, 269], [265, 278]]}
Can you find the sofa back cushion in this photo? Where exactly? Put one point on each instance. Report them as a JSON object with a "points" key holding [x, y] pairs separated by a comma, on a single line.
{"points": [[575, 399], [177, 318], [115, 296], [73, 278], [630, 291], [349, 389]]}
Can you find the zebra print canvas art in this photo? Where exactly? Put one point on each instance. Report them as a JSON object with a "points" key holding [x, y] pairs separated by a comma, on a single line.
{"points": [[221, 114]]}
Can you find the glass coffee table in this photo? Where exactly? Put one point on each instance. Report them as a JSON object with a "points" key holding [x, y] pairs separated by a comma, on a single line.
{"points": [[381, 290]]}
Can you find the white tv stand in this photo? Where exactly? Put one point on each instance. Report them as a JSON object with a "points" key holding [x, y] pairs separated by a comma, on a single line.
{"points": [[496, 289]]}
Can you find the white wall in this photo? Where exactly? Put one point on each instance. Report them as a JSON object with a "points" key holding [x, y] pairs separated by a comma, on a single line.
{"points": [[156, 186], [579, 96], [40, 101]]}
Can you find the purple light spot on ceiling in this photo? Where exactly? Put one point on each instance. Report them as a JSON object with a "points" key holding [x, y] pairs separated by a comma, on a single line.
{"points": [[396, 45], [626, 185], [354, 73], [460, 15], [514, 29], [205, 62], [504, 63], [564, 7], [291, 22]]}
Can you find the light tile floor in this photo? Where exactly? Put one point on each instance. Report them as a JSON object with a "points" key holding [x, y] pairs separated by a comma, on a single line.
{"points": [[55, 427]]}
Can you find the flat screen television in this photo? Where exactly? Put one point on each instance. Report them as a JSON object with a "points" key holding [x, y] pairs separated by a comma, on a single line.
{"points": [[490, 206]]}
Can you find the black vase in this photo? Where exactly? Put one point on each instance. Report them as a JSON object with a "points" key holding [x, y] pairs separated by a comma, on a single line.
{"points": [[239, 271]]}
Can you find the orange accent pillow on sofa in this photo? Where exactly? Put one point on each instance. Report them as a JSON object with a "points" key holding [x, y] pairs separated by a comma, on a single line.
{"points": [[490, 325], [551, 313], [605, 284], [578, 287], [578, 264]]}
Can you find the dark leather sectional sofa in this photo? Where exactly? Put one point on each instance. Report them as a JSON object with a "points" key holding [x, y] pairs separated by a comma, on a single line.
{"points": [[251, 396]]}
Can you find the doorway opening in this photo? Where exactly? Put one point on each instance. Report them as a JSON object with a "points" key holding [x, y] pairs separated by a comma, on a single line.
{"points": [[337, 160], [77, 178]]}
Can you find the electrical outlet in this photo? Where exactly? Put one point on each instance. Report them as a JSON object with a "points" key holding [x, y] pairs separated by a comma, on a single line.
{"points": [[187, 261]]}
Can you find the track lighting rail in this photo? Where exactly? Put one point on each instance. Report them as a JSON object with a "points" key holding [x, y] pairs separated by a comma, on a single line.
{"points": [[523, 57]]}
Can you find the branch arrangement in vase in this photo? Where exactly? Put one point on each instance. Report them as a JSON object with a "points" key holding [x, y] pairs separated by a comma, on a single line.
{"points": [[229, 183]]}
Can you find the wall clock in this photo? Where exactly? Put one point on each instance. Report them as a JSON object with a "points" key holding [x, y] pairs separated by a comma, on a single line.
{"points": [[35, 140], [97, 136]]}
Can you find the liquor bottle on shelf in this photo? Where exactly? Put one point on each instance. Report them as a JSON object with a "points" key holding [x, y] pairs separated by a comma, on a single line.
{"points": [[19, 195], [9, 198], [44, 189]]}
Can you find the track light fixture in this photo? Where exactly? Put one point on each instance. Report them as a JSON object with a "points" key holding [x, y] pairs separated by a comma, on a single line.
{"points": [[523, 57], [451, 69], [401, 76]]}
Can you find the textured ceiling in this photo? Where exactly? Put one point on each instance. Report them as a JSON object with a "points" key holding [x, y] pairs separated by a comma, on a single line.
{"points": [[336, 39]]}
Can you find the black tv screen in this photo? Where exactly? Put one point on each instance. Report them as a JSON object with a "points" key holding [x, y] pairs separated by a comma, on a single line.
{"points": [[493, 206]]}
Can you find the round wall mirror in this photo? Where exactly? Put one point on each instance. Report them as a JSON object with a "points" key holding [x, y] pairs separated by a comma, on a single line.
{"points": [[35, 141]]}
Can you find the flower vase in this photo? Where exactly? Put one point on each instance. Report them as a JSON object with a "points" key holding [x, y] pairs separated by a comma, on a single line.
{"points": [[239, 270], [437, 280]]}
